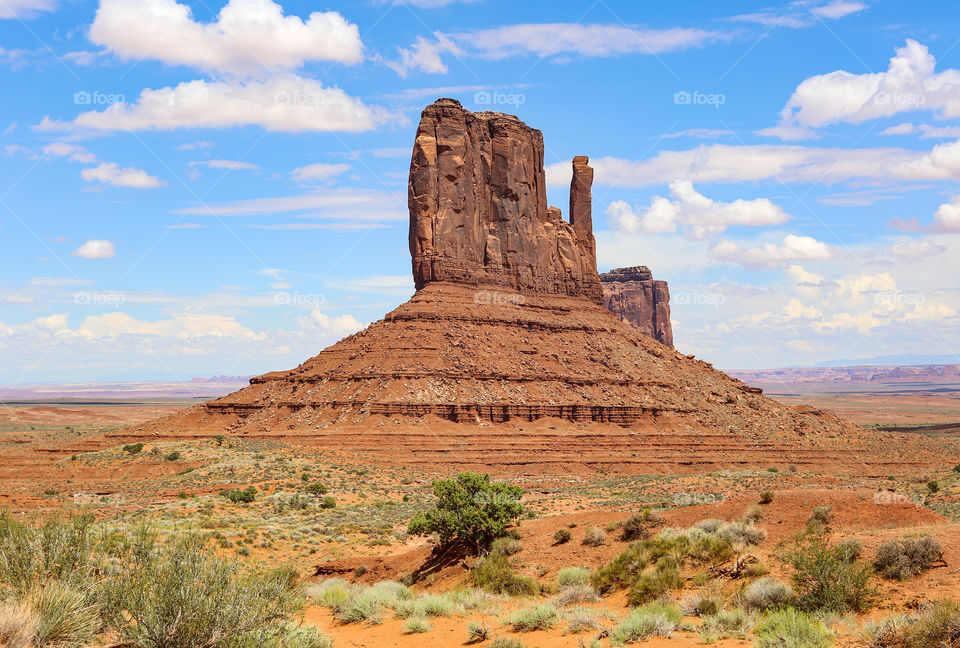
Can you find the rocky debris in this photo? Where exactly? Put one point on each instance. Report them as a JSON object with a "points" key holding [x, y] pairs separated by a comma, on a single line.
{"points": [[479, 213], [636, 298]]}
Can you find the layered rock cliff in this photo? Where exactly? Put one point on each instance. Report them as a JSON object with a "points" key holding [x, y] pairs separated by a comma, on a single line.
{"points": [[479, 213], [636, 298]]}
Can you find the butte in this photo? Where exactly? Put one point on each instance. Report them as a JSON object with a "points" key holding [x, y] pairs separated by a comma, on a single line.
{"points": [[506, 357]]}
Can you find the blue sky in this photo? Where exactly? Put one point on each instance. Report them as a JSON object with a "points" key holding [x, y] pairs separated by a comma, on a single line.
{"points": [[220, 188]]}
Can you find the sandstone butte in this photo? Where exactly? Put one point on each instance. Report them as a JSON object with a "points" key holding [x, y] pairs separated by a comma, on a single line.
{"points": [[636, 298], [506, 358]]}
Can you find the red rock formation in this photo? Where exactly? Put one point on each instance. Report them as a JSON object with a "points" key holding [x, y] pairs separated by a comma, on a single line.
{"points": [[478, 208], [633, 296]]}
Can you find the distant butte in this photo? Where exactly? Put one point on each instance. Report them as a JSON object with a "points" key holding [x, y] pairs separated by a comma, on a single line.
{"points": [[505, 355]]}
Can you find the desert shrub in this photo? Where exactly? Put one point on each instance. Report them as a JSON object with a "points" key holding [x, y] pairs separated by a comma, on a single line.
{"points": [[506, 546], [725, 624], [471, 509], [700, 604], [316, 489], [819, 518], [594, 536], [332, 593], [494, 573], [938, 625], [362, 607], [64, 616], [59, 549], [791, 628], [477, 632], [644, 623], [506, 642], [173, 455], [580, 619], [240, 496], [766, 497], [756, 570], [133, 448], [654, 583], [741, 533], [825, 579], [850, 549], [933, 486], [561, 536], [18, 626], [637, 527], [175, 594], [573, 576], [537, 617], [305, 637], [416, 625], [572, 594], [767, 593], [754, 513], [907, 557], [328, 503]]}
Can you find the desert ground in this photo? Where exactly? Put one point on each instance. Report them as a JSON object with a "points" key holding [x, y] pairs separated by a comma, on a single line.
{"points": [[63, 459]]}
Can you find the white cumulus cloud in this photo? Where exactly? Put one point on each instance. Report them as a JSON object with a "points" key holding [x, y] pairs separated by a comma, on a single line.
{"points": [[696, 215], [95, 249], [25, 8], [112, 174], [248, 37], [769, 255], [287, 103]]}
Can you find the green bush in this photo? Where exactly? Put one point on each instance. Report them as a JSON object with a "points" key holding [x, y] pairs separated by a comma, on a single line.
{"points": [[637, 527], [133, 448], [506, 546], [494, 573], [791, 628], [305, 637], [766, 497], [594, 536], [821, 515], [562, 536], [826, 579], [573, 576], [317, 489], [938, 625], [59, 549], [416, 625], [767, 593], [172, 456], [175, 594], [907, 558], [537, 617], [724, 624], [933, 486], [647, 622], [328, 502], [470, 509], [506, 642], [238, 496], [654, 583], [64, 616]]}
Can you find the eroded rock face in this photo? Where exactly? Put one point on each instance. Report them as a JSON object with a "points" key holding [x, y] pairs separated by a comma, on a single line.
{"points": [[637, 299], [479, 213]]}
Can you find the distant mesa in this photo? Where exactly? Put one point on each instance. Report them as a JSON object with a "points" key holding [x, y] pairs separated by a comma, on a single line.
{"points": [[636, 298]]}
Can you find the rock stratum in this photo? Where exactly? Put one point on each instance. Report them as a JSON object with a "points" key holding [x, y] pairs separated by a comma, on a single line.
{"points": [[505, 356], [636, 298]]}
